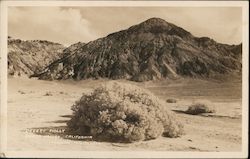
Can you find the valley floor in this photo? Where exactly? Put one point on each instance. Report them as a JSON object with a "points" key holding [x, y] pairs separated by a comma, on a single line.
{"points": [[45, 106]]}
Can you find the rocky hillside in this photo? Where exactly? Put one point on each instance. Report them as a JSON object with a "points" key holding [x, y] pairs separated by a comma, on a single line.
{"points": [[153, 49], [72, 48], [28, 57]]}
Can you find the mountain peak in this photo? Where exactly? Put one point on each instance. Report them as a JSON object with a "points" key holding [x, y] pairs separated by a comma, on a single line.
{"points": [[155, 21], [159, 26]]}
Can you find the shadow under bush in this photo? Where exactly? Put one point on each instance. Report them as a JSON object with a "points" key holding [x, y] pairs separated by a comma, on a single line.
{"points": [[120, 112]]}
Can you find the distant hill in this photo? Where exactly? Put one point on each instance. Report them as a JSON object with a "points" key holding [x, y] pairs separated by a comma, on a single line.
{"points": [[28, 57], [153, 49]]}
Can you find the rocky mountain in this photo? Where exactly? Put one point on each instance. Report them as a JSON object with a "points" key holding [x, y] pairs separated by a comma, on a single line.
{"points": [[153, 49], [69, 50], [28, 57]]}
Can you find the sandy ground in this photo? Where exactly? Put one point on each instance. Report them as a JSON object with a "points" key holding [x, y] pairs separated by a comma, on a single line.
{"points": [[37, 110]]}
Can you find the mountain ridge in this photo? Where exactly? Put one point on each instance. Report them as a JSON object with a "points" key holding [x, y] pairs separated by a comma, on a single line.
{"points": [[26, 57], [153, 49]]}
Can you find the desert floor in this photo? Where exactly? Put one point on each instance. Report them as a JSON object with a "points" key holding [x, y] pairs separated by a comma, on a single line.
{"points": [[38, 109]]}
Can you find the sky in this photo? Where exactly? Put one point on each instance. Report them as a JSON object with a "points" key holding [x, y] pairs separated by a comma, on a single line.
{"points": [[68, 25]]}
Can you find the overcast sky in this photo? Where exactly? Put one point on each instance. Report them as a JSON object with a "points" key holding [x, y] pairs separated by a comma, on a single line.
{"points": [[71, 25]]}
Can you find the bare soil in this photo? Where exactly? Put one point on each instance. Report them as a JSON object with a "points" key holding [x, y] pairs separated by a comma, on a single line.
{"points": [[38, 111]]}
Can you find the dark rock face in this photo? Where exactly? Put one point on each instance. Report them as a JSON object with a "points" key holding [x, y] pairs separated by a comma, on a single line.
{"points": [[151, 50], [29, 57]]}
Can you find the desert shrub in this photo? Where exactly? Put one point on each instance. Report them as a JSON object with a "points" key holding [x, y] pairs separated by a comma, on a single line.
{"points": [[21, 92], [199, 108], [171, 100], [48, 94], [63, 92], [122, 112]]}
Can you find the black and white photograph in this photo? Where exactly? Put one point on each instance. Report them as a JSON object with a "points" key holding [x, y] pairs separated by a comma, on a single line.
{"points": [[124, 79]]}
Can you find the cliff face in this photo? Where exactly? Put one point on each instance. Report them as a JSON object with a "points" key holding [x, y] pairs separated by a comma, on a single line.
{"points": [[28, 57], [153, 49]]}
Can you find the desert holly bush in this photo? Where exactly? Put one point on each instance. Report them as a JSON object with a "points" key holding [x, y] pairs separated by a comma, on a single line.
{"points": [[200, 107], [171, 100], [122, 112]]}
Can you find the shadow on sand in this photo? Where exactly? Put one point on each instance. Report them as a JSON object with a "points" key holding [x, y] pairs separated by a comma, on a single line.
{"points": [[212, 115]]}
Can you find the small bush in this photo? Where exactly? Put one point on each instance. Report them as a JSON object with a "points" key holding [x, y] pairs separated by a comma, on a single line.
{"points": [[199, 108], [21, 92], [121, 112], [48, 94], [63, 92], [171, 101]]}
